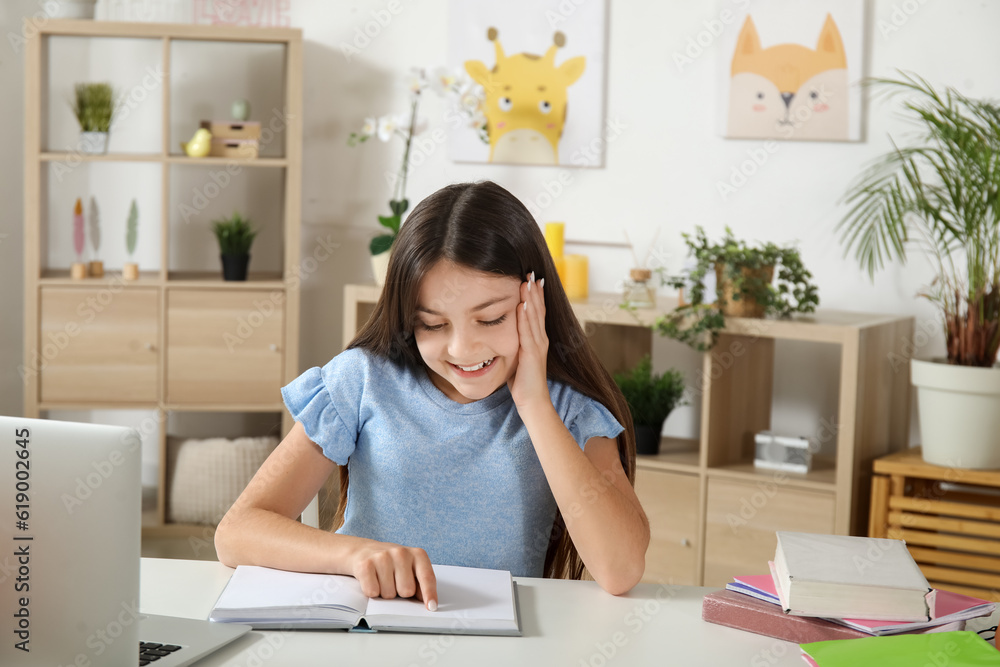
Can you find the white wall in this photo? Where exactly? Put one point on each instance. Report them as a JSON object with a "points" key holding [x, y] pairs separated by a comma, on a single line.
{"points": [[661, 172]]}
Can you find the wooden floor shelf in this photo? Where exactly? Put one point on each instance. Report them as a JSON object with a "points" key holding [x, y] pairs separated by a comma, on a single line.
{"points": [[712, 513], [950, 530]]}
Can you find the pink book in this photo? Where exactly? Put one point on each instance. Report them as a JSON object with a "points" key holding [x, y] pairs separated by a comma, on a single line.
{"points": [[952, 608], [743, 612]]}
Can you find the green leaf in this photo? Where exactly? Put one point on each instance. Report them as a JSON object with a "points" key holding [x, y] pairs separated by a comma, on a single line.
{"points": [[651, 398], [398, 207], [234, 234], [390, 221], [132, 228], [381, 244]]}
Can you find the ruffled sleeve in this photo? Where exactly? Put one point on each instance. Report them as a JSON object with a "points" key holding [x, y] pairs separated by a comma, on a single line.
{"points": [[327, 401], [584, 417]]}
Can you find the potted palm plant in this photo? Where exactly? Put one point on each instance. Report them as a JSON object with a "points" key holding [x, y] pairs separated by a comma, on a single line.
{"points": [[943, 194], [651, 398], [235, 236], [750, 281], [94, 107]]}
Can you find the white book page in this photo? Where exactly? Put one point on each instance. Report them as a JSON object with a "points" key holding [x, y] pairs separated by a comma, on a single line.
{"points": [[464, 593], [253, 587]]}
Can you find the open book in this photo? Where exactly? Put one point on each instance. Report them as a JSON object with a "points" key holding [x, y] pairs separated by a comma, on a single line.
{"points": [[471, 601]]}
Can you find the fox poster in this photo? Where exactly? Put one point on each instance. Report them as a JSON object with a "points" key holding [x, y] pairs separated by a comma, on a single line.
{"points": [[791, 70]]}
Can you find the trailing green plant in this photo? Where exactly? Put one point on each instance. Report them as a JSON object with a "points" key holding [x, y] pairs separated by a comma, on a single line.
{"points": [[941, 194], [651, 398], [235, 235], [93, 105], [697, 323]]}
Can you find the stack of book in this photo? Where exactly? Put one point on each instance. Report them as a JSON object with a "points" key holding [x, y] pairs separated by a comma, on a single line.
{"points": [[826, 587]]}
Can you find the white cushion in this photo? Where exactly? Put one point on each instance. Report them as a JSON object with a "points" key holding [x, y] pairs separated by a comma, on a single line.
{"points": [[205, 477]]}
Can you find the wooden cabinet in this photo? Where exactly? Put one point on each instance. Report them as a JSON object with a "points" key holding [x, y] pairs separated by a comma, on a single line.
{"points": [[713, 514], [224, 348], [741, 518], [671, 503], [99, 344], [178, 339]]}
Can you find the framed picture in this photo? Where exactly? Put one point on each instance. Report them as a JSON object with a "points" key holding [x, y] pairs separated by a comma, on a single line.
{"points": [[790, 70], [539, 66]]}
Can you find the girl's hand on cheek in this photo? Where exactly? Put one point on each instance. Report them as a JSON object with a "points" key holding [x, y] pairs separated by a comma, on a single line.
{"points": [[528, 386]]}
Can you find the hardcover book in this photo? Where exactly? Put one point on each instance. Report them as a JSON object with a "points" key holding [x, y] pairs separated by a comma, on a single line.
{"points": [[850, 577]]}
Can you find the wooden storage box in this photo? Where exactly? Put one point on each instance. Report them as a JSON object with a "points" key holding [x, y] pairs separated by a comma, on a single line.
{"points": [[249, 129], [244, 149], [948, 517]]}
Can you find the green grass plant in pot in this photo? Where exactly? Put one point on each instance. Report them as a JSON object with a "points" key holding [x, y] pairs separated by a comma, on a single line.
{"points": [[93, 105], [651, 398], [941, 194], [750, 281], [235, 236]]}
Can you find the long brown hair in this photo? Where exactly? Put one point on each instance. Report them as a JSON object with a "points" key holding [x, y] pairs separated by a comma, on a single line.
{"points": [[484, 227]]}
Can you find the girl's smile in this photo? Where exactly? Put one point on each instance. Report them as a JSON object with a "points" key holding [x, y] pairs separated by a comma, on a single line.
{"points": [[466, 330]]}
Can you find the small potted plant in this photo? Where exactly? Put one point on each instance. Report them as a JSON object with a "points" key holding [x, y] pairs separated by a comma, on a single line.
{"points": [[651, 398], [235, 236], [942, 194], [750, 281], [130, 270], [94, 107]]}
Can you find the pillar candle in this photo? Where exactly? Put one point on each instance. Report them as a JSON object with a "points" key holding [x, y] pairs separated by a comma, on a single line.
{"points": [[560, 263], [554, 238], [576, 277]]}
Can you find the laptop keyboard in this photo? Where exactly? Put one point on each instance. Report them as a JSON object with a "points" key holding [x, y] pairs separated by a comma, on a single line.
{"points": [[150, 652]]}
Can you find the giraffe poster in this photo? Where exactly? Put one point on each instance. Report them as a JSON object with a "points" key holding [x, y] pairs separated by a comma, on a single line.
{"points": [[540, 65], [791, 69]]}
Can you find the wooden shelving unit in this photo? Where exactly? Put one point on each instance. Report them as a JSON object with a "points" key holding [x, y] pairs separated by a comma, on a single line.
{"points": [[159, 341], [712, 513], [947, 516]]}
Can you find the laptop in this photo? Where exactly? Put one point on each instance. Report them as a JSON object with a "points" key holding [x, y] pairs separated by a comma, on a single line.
{"points": [[70, 530]]}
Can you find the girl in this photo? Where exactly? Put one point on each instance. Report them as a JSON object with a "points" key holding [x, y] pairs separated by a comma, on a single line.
{"points": [[471, 416]]}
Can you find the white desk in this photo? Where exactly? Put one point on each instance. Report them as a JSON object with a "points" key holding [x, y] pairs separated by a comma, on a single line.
{"points": [[571, 623]]}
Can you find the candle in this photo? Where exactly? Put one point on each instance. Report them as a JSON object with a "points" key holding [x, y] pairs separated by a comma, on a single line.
{"points": [[560, 263], [555, 239], [576, 277]]}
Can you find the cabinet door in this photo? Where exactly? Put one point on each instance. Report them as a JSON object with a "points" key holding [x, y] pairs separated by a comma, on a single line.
{"points": [[224, 347], [742, 517], [98, 345], [671, 504]]}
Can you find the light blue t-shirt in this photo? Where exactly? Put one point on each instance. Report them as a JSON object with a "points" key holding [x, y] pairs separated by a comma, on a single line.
{"points": [[460, 481]]}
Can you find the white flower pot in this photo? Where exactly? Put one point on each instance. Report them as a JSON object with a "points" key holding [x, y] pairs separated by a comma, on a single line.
{"points": [[959, 414], [71, 9], [380, 266], [93, 143]]}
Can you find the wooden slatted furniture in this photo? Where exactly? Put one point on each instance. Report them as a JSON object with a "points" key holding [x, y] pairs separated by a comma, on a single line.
{"points": [[949, 518], [178, 339], [712, 514]]}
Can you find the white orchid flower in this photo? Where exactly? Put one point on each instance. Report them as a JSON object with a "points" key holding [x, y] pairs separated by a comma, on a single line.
{"points": [[388, 125], [369, 127], [478, 119], [470, 101], [443, 80], [416, 82]]}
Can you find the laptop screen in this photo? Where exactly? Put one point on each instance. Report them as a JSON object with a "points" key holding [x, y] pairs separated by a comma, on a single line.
{"points": [[70, 513]]}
